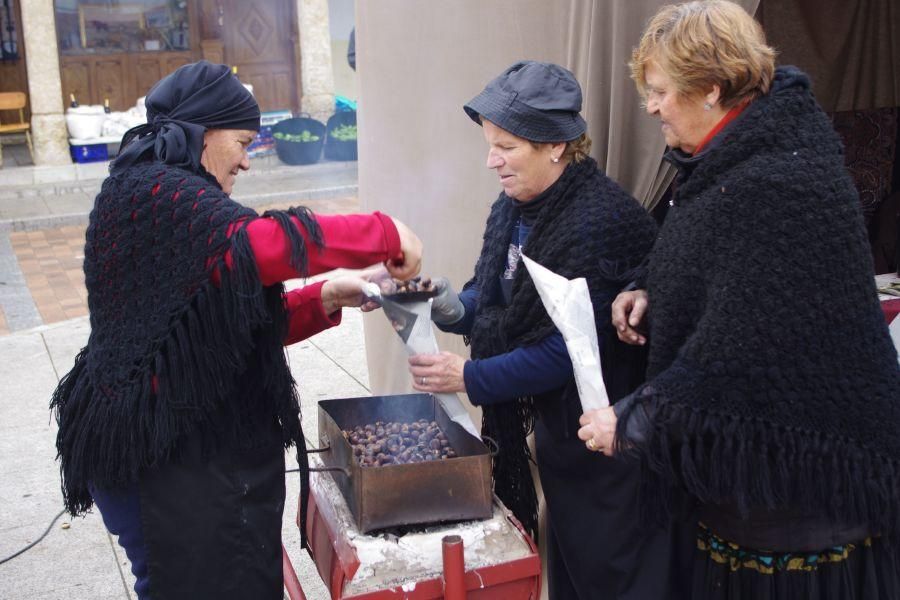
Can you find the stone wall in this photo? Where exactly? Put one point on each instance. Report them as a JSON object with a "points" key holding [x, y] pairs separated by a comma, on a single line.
{"points": [[315, 56], [48, 123]]}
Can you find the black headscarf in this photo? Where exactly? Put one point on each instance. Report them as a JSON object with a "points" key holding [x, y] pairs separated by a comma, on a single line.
{"points": [[180, 108]]}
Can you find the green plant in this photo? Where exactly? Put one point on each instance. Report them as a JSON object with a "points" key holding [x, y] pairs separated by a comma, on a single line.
{"points": [[344, 133], [306, 136]]}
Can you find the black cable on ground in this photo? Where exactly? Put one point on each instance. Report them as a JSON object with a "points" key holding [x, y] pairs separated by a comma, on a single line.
{"points": [[35, 542]]}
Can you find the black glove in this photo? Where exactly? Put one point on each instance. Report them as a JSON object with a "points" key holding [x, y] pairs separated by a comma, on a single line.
{"points": [[446, 307]]}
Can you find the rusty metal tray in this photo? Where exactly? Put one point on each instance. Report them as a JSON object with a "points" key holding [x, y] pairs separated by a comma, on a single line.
{"points": [[454, 489]]}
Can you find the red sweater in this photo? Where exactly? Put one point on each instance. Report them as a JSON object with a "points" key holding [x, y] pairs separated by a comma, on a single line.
{"points": [[351, 241]]}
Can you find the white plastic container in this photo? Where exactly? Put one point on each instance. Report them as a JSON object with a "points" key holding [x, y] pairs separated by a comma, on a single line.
{"points": [[85, 122]]}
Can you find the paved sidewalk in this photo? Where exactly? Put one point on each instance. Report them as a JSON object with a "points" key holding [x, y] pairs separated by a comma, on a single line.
{"points": [[79, 560]]}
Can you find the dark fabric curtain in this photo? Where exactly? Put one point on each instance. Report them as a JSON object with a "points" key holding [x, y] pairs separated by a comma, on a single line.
{"points": [[850, 48], [628, 144], [870, 139]]}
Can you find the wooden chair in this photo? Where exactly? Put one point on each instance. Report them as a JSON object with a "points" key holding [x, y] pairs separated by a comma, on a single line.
{"points": [[16, 101]]}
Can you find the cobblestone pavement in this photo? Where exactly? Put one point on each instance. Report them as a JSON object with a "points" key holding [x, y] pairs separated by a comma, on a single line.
{"points": [[50, 280]]}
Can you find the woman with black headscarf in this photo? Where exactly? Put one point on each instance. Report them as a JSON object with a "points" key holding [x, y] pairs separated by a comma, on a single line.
{"points": [[175, 416]]}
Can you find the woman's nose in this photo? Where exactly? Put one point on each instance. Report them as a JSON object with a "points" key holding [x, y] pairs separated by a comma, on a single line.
{"points": [[652, 106], [493, 161]]}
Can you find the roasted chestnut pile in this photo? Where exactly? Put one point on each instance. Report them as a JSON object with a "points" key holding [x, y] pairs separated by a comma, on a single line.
{"points": [[416, 284], [393, 443]]}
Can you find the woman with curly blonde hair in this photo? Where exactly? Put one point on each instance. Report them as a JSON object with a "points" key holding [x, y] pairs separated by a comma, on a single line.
{"points": [[773, 389]]}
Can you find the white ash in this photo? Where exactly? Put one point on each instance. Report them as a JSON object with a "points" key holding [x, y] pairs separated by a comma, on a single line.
{"points": [[387, 561]]}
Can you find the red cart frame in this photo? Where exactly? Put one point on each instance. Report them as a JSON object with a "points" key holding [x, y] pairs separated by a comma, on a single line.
{"points": [[336, 561]]}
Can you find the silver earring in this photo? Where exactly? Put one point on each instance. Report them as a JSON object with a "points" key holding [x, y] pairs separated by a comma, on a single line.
{"points": [[707, 106], [554, 159]]}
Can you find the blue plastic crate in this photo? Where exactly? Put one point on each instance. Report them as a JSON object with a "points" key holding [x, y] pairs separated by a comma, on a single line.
{"points": [[86, 153]]}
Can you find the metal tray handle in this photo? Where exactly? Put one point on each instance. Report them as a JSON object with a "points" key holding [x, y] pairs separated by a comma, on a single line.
{"points": [[324, 448], [492, 445]]}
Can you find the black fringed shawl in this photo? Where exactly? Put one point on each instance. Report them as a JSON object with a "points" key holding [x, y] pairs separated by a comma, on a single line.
{"points": [[170, 353], [773, 382], [588, 227]]}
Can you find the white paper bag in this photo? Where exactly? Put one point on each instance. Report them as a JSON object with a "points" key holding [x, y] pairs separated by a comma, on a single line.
{"points": [[569, 305], [412, 322], [894, 328]]}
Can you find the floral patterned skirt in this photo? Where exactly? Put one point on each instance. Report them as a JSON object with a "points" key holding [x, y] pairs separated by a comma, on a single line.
{"points": [[866, 570]]}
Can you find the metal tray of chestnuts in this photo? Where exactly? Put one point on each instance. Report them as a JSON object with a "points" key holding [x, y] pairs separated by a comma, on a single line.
{"points": [[399, 460]]}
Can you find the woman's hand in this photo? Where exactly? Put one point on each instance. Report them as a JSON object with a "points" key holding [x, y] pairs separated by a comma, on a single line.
{"points": [[342, 291], [628, 312], [379, 276], [436, 373], [598, 430], [407, 265]]}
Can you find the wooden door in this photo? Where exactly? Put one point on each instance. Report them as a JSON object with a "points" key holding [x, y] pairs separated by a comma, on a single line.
{"points": [[259, 41], [75, 73], [109, 81], [13, 75]]}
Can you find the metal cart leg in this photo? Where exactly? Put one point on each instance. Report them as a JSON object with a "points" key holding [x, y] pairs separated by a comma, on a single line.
{"points": [[454, 568], [291, 583]]}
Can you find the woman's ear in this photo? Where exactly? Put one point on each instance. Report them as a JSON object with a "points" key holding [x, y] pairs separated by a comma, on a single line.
{"points": [[556, 150], [715, 94], [203, 155]]}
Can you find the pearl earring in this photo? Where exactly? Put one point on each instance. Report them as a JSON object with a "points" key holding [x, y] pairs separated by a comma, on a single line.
{"points": [[554, 159], [707, 106]]}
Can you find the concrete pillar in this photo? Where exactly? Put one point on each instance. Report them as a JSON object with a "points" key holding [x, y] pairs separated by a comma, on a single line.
{"points": [[48, 122], [317, 77]]}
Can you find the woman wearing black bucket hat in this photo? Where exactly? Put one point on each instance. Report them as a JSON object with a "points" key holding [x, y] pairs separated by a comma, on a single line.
{"points": [[560, 210], [175, 416]]}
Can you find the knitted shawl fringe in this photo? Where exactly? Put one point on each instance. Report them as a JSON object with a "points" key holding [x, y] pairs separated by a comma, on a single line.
{"points": [[223, 334], [751, 463]]}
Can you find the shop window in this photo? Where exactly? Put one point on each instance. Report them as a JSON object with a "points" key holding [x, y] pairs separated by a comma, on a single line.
{"points": [[98, 26], [9, 47]]}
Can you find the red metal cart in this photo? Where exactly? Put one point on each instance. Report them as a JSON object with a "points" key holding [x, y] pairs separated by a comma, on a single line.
{"points": [[334, 549]]}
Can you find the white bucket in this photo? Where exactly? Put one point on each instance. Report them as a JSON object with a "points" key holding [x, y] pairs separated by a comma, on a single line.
{"points": [[85, 122]]}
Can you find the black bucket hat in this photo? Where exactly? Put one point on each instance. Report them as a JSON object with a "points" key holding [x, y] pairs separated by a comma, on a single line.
{"points": [[534, 100]]}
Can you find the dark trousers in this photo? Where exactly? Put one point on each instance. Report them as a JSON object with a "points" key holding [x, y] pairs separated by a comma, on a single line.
{"points": [[205, 526]]}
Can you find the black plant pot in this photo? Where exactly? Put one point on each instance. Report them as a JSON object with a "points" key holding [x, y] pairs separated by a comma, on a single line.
{"points": [[299, 153], [340, 149]]}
